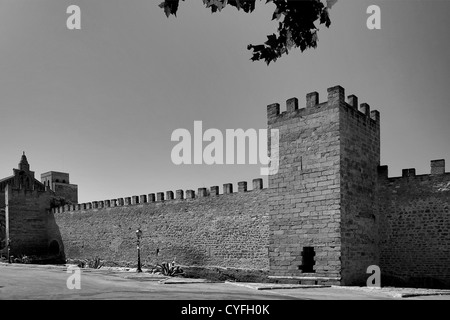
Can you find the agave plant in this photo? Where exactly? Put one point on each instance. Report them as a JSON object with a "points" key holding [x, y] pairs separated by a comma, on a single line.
{"points": [[25, 259], [96, 263], [169, 269]]}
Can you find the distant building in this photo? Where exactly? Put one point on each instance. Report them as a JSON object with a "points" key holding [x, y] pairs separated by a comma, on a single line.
{"points": [[25, 205], [59, 183]]}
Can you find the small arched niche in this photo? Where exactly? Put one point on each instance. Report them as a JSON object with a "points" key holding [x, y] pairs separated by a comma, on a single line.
{"points": [[54, 248]]}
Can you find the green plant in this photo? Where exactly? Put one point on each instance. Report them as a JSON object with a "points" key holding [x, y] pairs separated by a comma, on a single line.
{"points": [[25, 259], [96, 263], [169, 269]]}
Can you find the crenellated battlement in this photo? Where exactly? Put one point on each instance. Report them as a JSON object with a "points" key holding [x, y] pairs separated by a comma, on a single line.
{"points": [[336, 98], [326, 210], [160, 197], [437, 168]]}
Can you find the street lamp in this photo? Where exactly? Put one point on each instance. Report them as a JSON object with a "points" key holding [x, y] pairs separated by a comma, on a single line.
{"points": [[139, 235], [9, 250]]}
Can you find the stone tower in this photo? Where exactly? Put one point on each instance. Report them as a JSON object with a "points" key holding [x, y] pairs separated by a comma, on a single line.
{"points": [[59, 183], [323, 220], [24, 207]]}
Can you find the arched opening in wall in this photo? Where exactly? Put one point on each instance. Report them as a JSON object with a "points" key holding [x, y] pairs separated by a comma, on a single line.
{"points": [[64, 181], [57, 180], [53, 248], [308, 261]]}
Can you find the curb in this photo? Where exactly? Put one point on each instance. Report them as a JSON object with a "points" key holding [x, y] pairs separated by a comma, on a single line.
{"points": [[392, 291], [276, 287], [412, 295], [197, 281]]}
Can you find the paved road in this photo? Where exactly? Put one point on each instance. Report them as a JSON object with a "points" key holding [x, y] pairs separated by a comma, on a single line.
{"points": [[45, 282], [37, 282]]}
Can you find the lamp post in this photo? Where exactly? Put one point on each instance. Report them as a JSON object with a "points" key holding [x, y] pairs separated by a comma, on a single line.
{"points": [[139, 235], [9, 250]]}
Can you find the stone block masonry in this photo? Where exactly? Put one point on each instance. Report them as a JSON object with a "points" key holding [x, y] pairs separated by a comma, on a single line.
{"points": [[27, 217], [304, 199], [329, 213], [415, 227], [359, 161], [228, 230], [323, 191]]}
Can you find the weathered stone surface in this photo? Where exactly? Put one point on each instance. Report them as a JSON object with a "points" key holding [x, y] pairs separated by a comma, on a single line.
{"points": [[329, 213], [415, 229], [27, 219], [227, 230], [305, 193]]}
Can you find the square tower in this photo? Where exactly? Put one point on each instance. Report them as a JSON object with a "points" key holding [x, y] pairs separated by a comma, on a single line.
{"points": [[59, 183], [323, 224]]}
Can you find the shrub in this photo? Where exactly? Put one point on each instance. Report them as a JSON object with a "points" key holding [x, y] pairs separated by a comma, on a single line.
{"points": [[169, 269]]}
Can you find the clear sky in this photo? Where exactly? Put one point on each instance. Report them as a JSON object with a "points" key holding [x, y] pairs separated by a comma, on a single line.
{"points": [[101, 102]]}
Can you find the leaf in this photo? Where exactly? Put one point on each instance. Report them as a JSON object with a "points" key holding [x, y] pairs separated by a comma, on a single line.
{"points": [[246, 5], [325, 18], [170, 7], [271, 40], [215, 5], [257, 48]]}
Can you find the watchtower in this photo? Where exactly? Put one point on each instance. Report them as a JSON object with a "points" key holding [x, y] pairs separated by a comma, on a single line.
{"points": [[323, 220], [59, 182]]}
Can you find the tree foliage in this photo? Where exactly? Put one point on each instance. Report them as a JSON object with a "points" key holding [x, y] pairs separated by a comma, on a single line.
{"points": [[296, 23]]}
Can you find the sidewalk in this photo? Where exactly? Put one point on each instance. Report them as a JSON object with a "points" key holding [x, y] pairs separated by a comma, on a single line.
{"points": [[384, 291]]}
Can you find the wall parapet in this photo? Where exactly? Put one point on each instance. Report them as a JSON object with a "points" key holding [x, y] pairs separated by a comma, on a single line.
{"points": [[162, 197], [437, 167], [336, 97]]}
